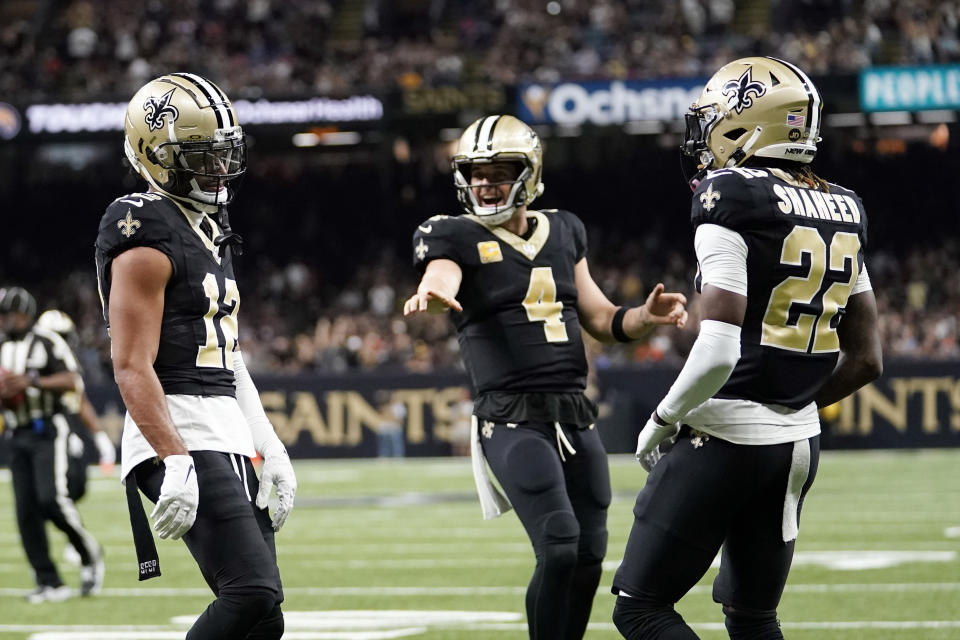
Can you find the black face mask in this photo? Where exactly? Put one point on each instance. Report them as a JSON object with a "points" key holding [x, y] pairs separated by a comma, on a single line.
{"points": [[694, 144]]}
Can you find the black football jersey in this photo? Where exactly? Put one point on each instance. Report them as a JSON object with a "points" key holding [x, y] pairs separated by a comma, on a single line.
{"points": [[804, 253], [199, 328], [519, 330]]}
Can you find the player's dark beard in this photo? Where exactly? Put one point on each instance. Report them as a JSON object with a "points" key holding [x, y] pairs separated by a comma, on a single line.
{"points": [[691, 170]]}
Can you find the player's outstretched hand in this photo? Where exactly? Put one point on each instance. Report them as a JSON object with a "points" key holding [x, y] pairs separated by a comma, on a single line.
{"points": [[648, 442], [176, 508], [666, 308], [430, 301]]}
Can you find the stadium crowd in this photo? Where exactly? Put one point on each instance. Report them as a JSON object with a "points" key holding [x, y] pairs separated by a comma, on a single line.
{"points": [[92, 49], [290, 323], [296, 317]]}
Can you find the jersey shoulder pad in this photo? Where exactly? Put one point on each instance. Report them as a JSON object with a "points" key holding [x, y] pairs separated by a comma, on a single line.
{"points": [[440, 237], [575, 225], [136, 220], [725, 197], [854, 207]]}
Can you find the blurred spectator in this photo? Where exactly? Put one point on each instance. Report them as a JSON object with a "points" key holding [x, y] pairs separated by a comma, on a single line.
{"points": [[917, 295], [88, 49], [390, 433]]}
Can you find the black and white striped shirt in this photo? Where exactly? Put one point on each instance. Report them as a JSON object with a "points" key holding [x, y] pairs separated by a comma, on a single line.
{"points": [[45, 353]]}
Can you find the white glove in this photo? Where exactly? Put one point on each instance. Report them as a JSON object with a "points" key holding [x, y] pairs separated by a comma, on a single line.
{"points": [[277, 471], [648, 442], [108, 452], [176, 508]]}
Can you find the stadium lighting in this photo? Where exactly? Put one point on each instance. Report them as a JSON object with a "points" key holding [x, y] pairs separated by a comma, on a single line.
{"points": [[936, 116], [891, 117], [340, 138], [846, 120], [643, 127], [305, 139]]}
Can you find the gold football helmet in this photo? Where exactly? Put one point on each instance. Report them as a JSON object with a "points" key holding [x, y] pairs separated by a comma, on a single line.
{"points": [[761, 107], [181, 135], [499, 139]]}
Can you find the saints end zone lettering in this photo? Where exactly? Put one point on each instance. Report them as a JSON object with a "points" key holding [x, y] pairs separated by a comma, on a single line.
{"points": [[930, 404], [338, 418]]}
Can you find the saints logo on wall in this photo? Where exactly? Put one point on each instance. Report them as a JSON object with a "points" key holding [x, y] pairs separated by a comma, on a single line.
{"points": [[157, 108], [739, 91]]}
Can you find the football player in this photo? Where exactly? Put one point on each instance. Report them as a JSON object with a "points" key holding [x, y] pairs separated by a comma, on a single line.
{"points": [[520, 289], [37, 369], [789, 323], [194, 419]]}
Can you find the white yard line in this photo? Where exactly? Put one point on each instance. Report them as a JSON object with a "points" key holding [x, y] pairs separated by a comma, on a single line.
{"points": [[178, 635], [469, 591]]}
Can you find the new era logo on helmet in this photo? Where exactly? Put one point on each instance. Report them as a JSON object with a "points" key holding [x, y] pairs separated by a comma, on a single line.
{"points": [[157, 108], [738, 91]]}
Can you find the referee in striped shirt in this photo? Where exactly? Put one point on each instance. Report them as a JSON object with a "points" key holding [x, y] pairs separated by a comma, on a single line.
{"points": [[36, 369]]}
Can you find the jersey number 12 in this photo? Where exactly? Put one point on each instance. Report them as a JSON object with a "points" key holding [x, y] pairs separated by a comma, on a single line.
{"points": [[215, 353]]}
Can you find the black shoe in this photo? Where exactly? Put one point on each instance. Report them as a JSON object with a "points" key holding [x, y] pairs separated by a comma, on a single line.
{"points": [[91, 575]]}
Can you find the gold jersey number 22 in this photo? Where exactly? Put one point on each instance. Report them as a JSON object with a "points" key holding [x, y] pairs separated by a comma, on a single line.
{"points": [[810, 334]]}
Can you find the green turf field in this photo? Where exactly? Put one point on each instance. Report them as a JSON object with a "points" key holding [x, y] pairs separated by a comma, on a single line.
{"points": [[379, 549]]}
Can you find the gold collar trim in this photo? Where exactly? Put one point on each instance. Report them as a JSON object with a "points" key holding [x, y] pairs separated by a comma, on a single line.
{"points": [[528, 248]]}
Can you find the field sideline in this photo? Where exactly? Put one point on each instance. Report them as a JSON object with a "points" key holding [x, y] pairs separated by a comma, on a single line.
{"points": [[395, 549]]}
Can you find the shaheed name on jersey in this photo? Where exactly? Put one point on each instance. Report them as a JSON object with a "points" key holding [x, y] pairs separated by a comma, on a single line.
{"points": [[519, 299], [199, 329], [804, 255]]}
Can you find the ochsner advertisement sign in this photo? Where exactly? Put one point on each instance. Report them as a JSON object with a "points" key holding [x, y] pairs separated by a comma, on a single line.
{"points": [[605, 103]]}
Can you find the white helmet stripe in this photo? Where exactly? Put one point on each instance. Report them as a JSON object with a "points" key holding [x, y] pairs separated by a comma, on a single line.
{"points": [[224, 116], [484, 140], [211, 90]]}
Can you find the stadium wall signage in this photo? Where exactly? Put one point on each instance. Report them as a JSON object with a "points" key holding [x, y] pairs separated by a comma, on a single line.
{"points": [[607, 103], [914, 404], [910, 88], [484, 98], [45, 119]]}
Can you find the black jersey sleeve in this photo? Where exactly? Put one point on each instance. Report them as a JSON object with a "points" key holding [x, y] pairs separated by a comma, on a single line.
{"points": [[436, 238], [577, 231], [725, 198], [137, 220]]}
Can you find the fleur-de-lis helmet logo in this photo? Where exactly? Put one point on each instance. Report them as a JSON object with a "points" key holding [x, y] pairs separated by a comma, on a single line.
{"points": [[739, 91], [157, 108]]}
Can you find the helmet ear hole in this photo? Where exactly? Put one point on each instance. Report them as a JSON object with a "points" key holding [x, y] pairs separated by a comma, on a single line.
{"points": [[735, 134]]}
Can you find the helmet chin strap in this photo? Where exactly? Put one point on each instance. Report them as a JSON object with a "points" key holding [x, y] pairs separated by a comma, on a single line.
{"points": [[494, 219], [740, 154], [500, 215]]}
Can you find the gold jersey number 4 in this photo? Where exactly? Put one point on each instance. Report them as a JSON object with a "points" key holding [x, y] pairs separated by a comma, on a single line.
{"points": [[810, 333], [542, 305]]}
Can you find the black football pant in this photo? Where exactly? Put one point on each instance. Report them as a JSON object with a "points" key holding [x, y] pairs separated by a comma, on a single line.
{"points": [[563, 506], [233, 544], [704, 493], [38, 465]]}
